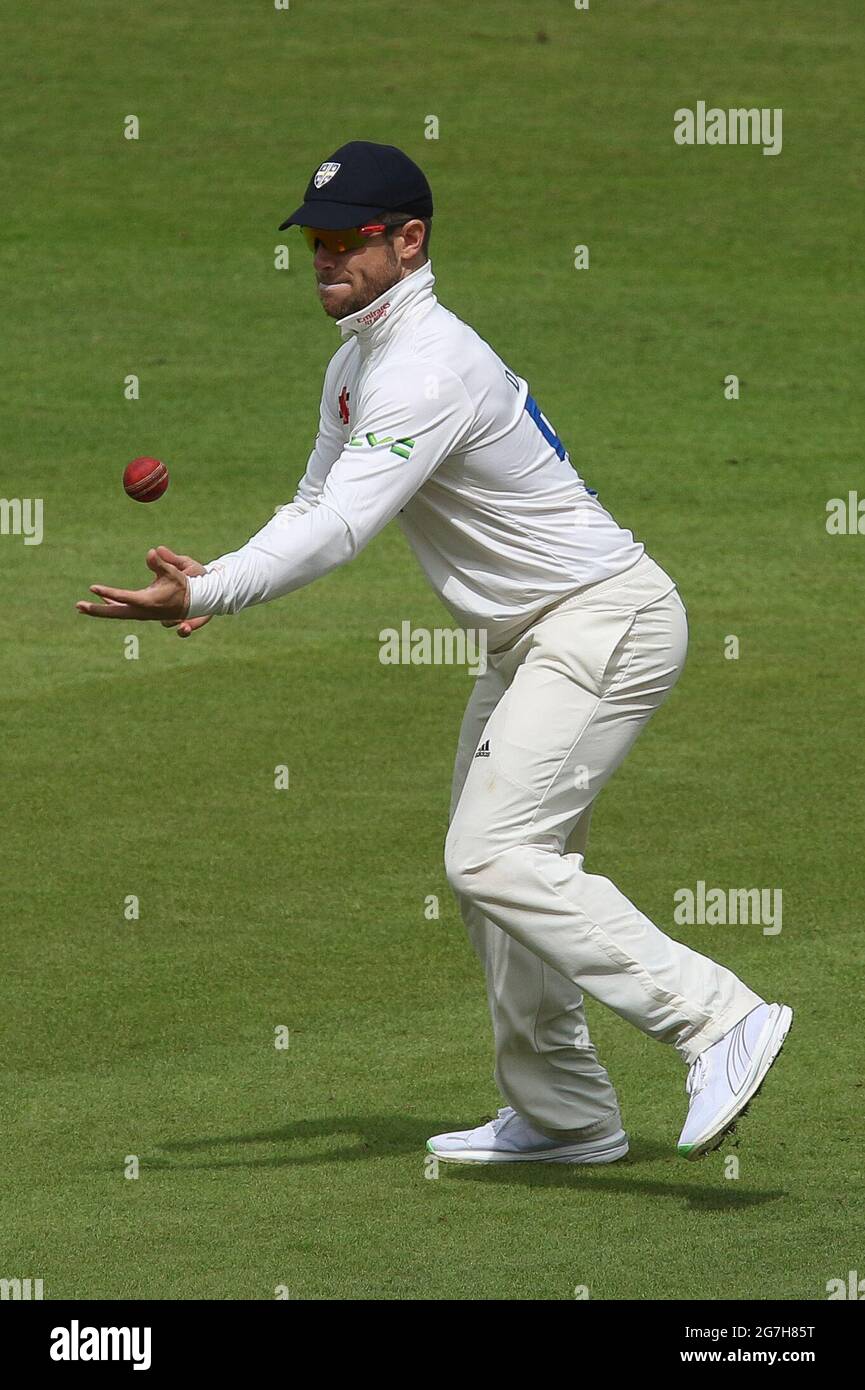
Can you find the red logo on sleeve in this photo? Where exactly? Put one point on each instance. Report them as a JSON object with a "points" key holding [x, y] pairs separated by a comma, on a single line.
{"points": [[343, 406]]}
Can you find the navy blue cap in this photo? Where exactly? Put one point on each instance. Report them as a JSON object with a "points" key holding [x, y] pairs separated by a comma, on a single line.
{"points": [[359, 181]]}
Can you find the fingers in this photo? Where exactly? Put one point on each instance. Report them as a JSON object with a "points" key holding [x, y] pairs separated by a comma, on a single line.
{"points": [[139, 604], [166, 598], [184, 563], [174, 579], [168, 554], [115, 595], [160, 565], [113, 610], [190, 625]]}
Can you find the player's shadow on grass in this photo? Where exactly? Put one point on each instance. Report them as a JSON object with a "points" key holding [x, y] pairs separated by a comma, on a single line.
{"points": [[349, 1138], [306, 1142]]}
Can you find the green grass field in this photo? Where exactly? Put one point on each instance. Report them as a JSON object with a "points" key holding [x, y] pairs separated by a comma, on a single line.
{"points": [[304, 1167]]}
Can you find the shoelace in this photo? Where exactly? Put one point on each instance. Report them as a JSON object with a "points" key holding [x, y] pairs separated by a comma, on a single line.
{"points": [[501, 1118], [698, 1075]]}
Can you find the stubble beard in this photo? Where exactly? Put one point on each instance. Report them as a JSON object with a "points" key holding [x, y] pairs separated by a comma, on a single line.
{"points": [[373, 285]]}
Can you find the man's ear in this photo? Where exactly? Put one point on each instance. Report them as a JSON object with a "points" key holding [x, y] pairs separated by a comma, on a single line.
{"points": [[417, 230]]}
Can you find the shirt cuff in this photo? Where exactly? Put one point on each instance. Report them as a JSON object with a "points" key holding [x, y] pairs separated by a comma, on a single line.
{"points": [[205, 593]]}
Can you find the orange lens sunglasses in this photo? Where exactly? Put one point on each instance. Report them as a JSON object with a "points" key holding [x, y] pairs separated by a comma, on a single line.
{"points": [[348, 239]]}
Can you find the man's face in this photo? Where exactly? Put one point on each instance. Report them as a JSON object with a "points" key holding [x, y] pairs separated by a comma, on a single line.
{"points": [[349, 280]]}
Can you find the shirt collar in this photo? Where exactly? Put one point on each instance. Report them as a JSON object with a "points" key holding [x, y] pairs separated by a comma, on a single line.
{"points": [[375, 319]]}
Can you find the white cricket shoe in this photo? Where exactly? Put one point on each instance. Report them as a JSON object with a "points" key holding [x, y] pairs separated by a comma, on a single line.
{"points": [[727, 1076], [511, 1139]]}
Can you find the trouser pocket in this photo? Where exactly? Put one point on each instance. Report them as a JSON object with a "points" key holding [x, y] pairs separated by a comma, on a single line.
{"points": [[589, 645]]}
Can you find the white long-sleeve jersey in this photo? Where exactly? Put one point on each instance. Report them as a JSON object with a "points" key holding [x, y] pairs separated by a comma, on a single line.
{"points": [[422, 422]]}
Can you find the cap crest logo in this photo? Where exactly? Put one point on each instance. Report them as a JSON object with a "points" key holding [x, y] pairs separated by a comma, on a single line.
{"points": [[325, 174]]}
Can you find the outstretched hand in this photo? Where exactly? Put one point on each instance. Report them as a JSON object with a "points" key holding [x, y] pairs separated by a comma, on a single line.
{"points": [[166, 598], [186, 565]]}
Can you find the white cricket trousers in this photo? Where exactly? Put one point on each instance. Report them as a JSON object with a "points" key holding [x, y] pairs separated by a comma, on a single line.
{"points": [[547, 724]]}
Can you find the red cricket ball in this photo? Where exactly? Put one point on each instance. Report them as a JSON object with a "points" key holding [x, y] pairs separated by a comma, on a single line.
{"points": [[145, 479]]}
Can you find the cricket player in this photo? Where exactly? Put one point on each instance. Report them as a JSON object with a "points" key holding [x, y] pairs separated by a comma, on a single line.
{"points": [[423, 424]]}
